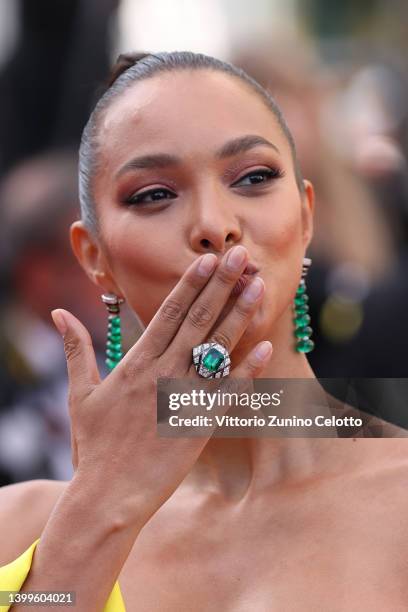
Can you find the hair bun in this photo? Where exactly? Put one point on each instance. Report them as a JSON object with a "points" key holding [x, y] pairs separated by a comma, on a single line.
{"points": [[124, 61]]}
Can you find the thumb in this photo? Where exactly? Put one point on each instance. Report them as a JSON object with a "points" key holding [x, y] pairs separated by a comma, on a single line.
{"points": [[82, 368]]}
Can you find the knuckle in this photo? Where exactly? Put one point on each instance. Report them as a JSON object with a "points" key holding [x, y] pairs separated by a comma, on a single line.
{"points": [[128, 372], [239, 384], [130, 369], [164, 371], [72, 348], [244, 310], [200, 315], [222, 338], [225, 278], [195, 282], [172, 310], [230, 385]]}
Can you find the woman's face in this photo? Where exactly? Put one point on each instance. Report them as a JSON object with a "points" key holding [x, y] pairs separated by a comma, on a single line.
{"points": [[195, 162]]}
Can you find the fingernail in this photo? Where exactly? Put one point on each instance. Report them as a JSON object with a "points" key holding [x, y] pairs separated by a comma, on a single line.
{"points": [[236, 258], [263, 350], [59, 321], [207, 264], [254, 290]]}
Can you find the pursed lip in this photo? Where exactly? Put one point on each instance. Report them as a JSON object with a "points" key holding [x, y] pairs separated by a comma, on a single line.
{"points": [[251, 269]]}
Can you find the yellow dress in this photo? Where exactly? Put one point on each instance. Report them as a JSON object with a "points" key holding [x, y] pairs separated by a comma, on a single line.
{"points": [[13, 575]]}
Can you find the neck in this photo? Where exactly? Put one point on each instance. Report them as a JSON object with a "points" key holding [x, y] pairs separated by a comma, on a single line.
{"points": [[285, 362], [233, 467]]}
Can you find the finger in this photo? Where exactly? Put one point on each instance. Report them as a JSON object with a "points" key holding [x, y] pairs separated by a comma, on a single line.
{"points": [[83, 371], [235, 323], [254, 363], [167, 320], [209, 304]]}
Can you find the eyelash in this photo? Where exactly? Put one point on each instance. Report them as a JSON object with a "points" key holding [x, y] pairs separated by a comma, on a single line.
{"points": [[270, 174]]}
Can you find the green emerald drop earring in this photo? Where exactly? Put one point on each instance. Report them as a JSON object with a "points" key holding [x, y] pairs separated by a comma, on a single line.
{"points": [[114, 351], [303, 331]]}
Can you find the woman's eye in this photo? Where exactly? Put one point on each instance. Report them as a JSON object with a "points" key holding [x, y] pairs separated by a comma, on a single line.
{"points": [[256, 177], [152, 195]]}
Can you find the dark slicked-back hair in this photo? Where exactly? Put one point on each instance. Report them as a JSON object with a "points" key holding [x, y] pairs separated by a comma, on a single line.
{"points": [[134, 67]]}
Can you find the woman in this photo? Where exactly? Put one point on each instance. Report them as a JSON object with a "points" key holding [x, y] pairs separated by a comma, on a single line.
{"points": [[189, 178]]}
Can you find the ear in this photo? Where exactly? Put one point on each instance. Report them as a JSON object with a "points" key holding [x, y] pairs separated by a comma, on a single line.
{"points": [[90, 255], [308, 200]]}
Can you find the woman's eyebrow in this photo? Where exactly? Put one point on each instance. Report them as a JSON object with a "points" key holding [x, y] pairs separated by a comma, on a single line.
{"points": [[228, 149], [153, 160], [243, 144]]}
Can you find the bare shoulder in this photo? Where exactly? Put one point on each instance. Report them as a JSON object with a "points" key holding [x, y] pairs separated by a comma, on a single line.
{"points": [[24, 511]]}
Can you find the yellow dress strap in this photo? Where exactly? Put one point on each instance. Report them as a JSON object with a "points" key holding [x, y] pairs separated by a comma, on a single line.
{"points": [[13, 575]]}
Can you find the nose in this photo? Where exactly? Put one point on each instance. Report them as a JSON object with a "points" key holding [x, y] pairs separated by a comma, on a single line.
{"points": [[214, 225]]}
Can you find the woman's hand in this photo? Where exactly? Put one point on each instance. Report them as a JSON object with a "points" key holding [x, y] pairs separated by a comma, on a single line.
{"points": [[113, 422]]}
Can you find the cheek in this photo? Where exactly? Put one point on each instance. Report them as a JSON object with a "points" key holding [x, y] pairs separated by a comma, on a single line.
{"points": [[136, 254], [279, 234], [279, 239]]}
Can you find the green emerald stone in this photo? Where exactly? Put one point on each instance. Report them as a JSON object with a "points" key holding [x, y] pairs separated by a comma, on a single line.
{"points": [[114, 321], [114, 346], [301, 310], [305, 346], [213, 360], [116, 336], [302, 321], [303, 332], [110, 363], [301, 289], [116, 355], [301, 299], [113, 349], [114, 328]]}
